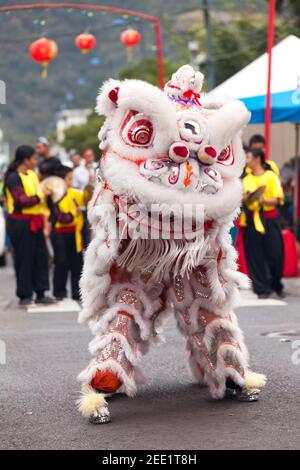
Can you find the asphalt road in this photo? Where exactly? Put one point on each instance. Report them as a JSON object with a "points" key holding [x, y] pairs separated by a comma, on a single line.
{"points": [[45, 352]]}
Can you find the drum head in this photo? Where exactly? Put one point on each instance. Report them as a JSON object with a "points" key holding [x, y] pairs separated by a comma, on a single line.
{"points": [[255, 195], [56, 185]]}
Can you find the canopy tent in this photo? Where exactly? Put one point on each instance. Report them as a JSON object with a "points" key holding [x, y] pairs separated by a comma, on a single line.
{"points": [[285, 107], [250, 84]]}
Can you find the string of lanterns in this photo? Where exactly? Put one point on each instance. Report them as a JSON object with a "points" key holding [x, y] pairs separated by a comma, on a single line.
{"points": [[44, 50]]}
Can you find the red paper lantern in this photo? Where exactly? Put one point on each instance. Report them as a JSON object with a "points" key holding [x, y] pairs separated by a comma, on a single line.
{"points": [[85, 42], [43, 51], [130, 38]]}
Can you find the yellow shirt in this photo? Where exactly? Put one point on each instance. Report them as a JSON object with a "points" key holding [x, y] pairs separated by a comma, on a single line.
{"points": [[73, 200], [30, 183], [273, 189]]}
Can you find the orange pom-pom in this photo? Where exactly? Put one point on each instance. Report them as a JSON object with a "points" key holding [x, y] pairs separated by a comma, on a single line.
{"points": [[106, 381]]}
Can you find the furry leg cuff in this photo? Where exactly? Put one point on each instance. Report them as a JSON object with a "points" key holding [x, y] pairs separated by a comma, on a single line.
{"points": [[90, 402]]}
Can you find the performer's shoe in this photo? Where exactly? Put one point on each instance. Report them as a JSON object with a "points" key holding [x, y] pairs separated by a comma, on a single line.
{"points": [[281, 294], [25, 303], [263, 296], [248, 395], [101, 416], [45, 300], [238, 393], [242, 394]]}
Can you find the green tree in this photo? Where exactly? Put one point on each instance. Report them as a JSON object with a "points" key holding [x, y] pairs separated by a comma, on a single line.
{"points": [[85, 135], [293, 5], [147, 70]]}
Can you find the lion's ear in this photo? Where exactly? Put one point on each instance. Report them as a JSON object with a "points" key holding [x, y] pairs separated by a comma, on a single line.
{"points": [[107, 99], [226, 122]]}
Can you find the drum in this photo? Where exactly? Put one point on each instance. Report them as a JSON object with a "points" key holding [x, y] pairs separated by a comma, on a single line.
{"points": [[56, 185]]}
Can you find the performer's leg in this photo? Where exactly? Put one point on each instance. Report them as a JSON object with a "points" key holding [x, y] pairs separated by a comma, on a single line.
{"points": [[121, 336], [217, 354], [61, 264], [76, 263], [273, 245], [40, 265], [256, 260], [218, 350], [21, 239]]}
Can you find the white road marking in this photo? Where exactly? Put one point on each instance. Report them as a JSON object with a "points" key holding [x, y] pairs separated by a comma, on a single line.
{"points": [[66, 305], [249, 299]]}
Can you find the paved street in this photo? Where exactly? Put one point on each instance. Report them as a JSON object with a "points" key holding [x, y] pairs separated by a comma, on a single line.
{"points": [[45, 351]]}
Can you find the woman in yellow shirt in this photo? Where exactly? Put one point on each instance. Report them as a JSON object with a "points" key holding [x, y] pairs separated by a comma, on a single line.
{"points": [[25, 225], [66, 238], [260, 219]]}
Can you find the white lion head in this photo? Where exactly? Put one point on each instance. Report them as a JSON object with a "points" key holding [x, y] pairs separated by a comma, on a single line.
{"points": [[174, 140]]}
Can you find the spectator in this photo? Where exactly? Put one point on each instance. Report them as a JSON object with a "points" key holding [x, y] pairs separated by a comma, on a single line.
{"points": [[48, 164], [89, 157], [76, 159], [262, 233], [2, 225], [67, 238], [25, 227], [258, 142], [91, 165], [80, 172]]}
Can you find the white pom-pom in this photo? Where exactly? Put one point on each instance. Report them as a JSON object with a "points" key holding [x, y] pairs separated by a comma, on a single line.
{"points": [[90, 401]]}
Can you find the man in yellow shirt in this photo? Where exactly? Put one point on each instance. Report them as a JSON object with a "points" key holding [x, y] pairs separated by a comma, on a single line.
{"points": [[260, 219]]}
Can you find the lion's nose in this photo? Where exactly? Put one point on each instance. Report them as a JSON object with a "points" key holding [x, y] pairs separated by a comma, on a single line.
{"points": [[207, 155], [179, 152]]}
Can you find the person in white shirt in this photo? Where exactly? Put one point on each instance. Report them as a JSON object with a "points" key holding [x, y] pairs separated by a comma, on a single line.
{"points": [[76, 159], [90, 164], [84, 177], [80, 172]]}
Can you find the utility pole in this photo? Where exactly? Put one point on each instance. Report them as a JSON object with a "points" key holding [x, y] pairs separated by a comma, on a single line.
{"points": [[296, 186], [270, 44], [210, 60]]}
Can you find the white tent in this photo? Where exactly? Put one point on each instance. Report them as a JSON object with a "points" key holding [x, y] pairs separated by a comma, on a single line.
{"points": [[252, 79]]}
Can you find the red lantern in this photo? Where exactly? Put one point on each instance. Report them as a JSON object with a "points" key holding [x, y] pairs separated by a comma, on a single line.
{"points": [[130, 38], [85, 42], [43, 50]]}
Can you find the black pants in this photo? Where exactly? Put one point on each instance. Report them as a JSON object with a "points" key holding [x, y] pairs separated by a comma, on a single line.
{"points": [[30, 258], [66, 260], [86, 231], [264, 255]]}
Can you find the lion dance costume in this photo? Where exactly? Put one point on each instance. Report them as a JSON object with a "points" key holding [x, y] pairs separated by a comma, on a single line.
{"points": [[167, 195]]}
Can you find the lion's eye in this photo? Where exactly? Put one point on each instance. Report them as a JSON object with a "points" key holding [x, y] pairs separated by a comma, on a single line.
{"points": [[141, 135], [192, 127], [137, 130]]}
